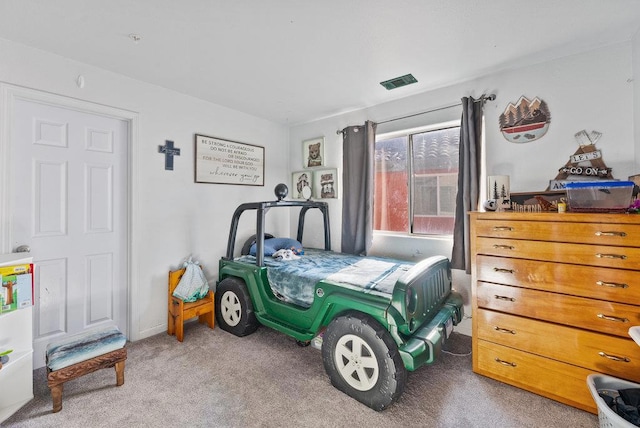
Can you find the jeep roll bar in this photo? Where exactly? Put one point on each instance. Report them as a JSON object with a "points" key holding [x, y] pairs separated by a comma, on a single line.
{"points": [[262, 209]]}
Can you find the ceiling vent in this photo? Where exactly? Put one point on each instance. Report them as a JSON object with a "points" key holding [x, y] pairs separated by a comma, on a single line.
{"points": [[397, 82]]}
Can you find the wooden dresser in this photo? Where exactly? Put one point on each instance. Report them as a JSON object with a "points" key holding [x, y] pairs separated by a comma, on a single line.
{"points": [[554, 295]]}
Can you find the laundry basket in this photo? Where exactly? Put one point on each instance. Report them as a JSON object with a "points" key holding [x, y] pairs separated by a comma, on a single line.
{"points": [[608, 385], [634, 332]]}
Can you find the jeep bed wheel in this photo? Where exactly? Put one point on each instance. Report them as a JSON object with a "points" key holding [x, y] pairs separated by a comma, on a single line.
{"points": [[362, 360], [234, 310]]}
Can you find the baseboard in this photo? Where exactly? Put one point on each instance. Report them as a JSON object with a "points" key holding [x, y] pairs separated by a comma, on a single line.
{"points": [[143, 334], [464, 327]]}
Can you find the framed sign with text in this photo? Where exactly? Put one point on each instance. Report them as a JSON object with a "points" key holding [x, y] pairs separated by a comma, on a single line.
{"points": [[223, 161]]}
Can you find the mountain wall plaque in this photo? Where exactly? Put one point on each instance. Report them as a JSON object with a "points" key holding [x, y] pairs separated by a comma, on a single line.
{"points": [[525, 121]]}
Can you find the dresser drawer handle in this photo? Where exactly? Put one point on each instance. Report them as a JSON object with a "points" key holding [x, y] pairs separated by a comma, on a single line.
{"points": [[611, 318], [509, 299], [503, 247], [614, 357], [611, 256], [504, 330], [612, 284], [502, 270], [505, 363], [502, 228], [611, 234]]}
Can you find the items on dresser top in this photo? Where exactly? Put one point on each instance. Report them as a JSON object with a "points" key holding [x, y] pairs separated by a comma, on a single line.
{"points": [[599, 196]]}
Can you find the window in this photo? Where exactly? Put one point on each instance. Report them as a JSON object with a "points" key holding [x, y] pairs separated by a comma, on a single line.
{"points": [[416, 181]]}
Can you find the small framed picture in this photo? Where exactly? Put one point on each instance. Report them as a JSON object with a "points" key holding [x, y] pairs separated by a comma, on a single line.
{"points": [[313, 152], [498, 190], [325, 182], [301, 185]]}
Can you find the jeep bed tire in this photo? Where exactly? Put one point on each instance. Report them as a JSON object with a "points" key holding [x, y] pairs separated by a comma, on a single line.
{"points": [[234, 310], [363, 361]]}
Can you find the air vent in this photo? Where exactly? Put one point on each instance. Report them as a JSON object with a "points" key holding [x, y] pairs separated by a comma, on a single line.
{"points": [[397, 82]]}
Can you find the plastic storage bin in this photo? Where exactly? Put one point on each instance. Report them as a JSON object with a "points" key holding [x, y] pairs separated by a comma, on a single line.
{"points": [[607, 417], [599, 196]]}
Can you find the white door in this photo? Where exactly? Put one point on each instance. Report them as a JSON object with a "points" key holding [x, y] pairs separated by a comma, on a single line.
{"points": [[69, 205]]}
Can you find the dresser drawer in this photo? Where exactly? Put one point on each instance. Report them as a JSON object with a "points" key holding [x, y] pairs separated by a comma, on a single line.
{"points": [[594, 351], [580, 233], [610, 284], [553, 379], [597, 315], [593, 255]]}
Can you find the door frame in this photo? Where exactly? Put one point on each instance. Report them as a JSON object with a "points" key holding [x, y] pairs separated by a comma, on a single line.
{"points": [[9, 93]]}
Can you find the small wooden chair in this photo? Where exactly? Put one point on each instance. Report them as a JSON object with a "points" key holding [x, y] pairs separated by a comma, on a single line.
{"points": [[180, 311]]}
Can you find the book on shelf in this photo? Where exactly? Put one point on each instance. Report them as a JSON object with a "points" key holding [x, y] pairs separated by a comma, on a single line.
{"points": [[16, 269], [16, 289]]}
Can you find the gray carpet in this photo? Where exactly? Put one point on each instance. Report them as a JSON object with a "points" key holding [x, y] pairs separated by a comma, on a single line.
{"points": [[214, 379]]}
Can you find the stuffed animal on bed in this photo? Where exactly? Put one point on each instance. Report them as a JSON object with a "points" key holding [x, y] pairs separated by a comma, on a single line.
{"points": [[285, 255]]}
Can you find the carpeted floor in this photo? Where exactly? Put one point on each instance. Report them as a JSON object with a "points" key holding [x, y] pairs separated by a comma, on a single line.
{"points": [[214, 379]]}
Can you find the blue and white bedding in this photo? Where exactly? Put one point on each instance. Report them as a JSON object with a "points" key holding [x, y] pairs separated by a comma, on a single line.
{"points": [[294, 280]]}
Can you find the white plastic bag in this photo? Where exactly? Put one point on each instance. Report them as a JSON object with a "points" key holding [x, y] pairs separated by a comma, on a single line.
{"points": [[193, 285]]}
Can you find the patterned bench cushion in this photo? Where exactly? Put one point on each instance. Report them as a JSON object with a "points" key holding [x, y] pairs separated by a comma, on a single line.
{"points": [[84, 346]]}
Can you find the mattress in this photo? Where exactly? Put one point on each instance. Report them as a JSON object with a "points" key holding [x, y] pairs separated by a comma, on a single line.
{"points": [[294, 281]]}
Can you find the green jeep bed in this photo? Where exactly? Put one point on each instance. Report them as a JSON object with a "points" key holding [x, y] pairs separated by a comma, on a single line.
{"points": [[376, 317]]}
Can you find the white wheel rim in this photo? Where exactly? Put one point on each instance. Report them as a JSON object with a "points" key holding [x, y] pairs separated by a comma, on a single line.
{"points": [[356, 362], [230, 308]]}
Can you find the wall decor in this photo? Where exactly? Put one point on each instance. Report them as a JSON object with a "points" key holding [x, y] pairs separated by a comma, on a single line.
{"points": [[313, 152], [169, 152], [498, 190], [537, 201], [223, 161], [586, 163], [301, 185], [525, 121], [326, 183]]}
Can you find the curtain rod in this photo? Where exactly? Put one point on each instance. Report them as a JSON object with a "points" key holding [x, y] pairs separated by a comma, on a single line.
{"points": [[483, 97]]}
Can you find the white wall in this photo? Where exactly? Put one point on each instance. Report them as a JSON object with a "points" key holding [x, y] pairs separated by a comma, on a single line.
{"points": [[173, 216], [591, 91], [636, 96], [588, 91]]}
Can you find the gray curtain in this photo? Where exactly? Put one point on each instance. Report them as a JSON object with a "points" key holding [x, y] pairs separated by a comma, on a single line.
{"points": [[358, 145], [468, 180]]}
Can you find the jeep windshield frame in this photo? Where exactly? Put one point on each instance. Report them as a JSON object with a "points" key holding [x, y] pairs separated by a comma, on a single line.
{"points": [[261, 209]]}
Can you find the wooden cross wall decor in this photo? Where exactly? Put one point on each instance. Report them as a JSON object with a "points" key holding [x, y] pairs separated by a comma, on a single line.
{"points": [[169, 152]]}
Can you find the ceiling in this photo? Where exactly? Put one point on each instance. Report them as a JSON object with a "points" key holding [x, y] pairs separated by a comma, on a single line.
{"points": [[293, 61]]}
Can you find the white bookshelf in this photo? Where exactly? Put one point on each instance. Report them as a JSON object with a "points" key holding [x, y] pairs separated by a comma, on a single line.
{"points": [[16, 376]]}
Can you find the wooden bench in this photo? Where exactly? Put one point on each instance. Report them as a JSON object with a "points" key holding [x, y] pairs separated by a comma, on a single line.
{"points": [[81, 354]]}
